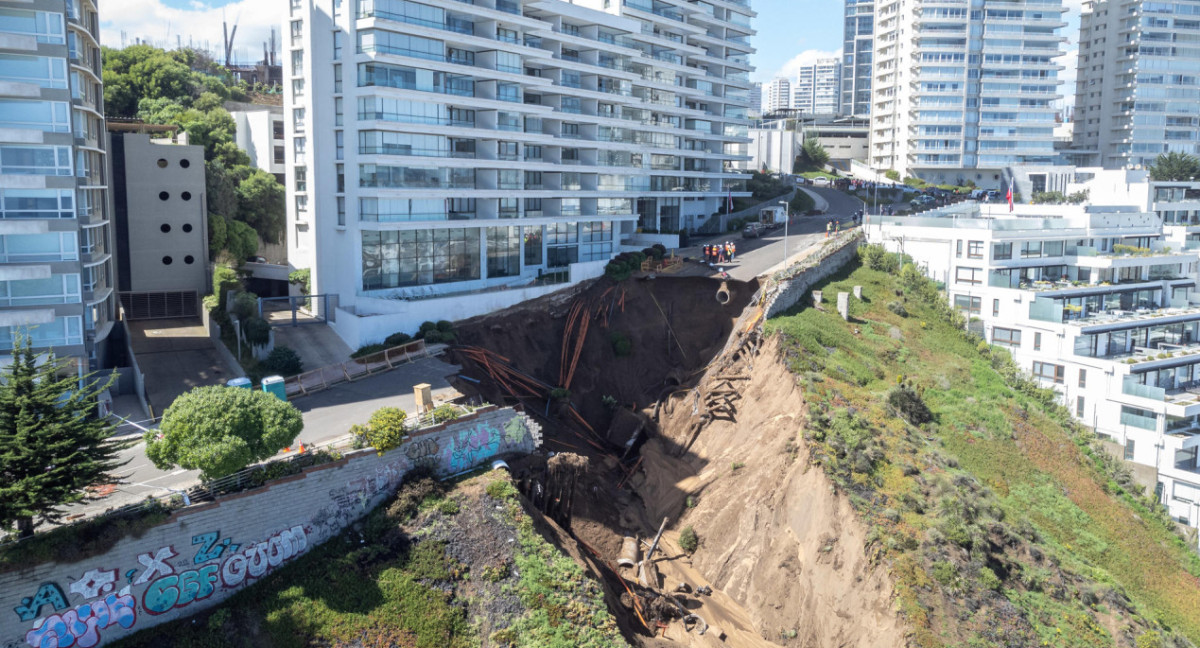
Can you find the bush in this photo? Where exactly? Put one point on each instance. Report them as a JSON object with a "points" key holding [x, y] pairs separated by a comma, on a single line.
{"points": [[396, 339], [302, 278], [244, 306], [384, 430], [892, 174], [283, 360], [443, 413], [988, 579], [445, 326], [256, 330], [224, 280], [876, 257], [688, 541], [369, 349], [623, 265], [621, 344], [897, 308], [560, 393], [501, 490], [910, 405]]}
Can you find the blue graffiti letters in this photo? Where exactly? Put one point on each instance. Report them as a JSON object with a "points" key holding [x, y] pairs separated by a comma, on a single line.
{"points": [[47, 594], [181, 589], [82, 625], [210, 549]]}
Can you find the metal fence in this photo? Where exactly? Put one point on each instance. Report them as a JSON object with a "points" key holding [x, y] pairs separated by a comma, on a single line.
{"points": [[325, 377]]}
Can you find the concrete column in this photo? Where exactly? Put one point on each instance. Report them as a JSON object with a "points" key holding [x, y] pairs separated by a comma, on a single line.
{"points": [[858, 293], [844, 305], [816, 295]]}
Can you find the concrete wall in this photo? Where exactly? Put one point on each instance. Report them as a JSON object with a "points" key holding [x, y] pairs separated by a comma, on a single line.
{"points": [[167, 216], [205, 553], [801, 278]]}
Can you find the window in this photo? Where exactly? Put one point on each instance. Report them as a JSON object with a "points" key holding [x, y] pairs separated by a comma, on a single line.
{"points": [[301, 204], [279, 155], [296, 6], [37, 203], [968, 303], [277, 130], [1006, 337], [506, 151], [975, 249], [35, 160], [297, 62], [63, 331], [299, 145], [1079, 406], [1048, 371], [508, 92], [337, 111], [339, 142], [1129, 447], [533, 152], [297, 27], [298, 119], [1037, 341], [341, 178], [995, 308], [337, 77], [503, 251], [958, 249], [964, 275], [1001, 251], [570, 154], [55, 289], [47, 116], [44, 26], [1083, 377], [297, 88], [392, 259], [44, 71], [301, 178], [341, 211], [507, 35]]}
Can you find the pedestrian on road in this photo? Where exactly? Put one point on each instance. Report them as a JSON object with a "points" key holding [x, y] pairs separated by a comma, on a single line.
{"points": [[828, 228], [708, 254], [732, 251]]}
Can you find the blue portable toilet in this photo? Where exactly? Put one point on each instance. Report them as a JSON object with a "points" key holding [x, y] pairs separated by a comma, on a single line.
{"points": [[244, 383], [274, 385]]}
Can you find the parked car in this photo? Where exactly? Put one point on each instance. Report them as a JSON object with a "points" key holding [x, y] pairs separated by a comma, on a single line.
{"points": [[752, 230], [922, 200]]}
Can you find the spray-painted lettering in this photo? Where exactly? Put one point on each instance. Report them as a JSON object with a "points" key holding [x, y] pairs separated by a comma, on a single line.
{"points": [[94, 583], [156, 565], [467, 448], [211, 547], [178, 590], [421, 450], [82, 625], [48, 594]]}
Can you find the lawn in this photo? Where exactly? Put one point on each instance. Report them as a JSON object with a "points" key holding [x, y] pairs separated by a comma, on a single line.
{"points": [[1001, 520]]}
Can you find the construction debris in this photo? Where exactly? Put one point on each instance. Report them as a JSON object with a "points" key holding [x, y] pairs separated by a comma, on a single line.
{"points": [[629, 552]]}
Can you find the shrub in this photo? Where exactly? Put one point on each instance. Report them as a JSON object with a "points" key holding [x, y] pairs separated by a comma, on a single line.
{"points": [[660, 250], [909, 404], [898, 308], [944, 572], [688, 541], [257, 330], [284, 361], [224, 280], [1150, 639], [433, 337], [302, 278], [988, 579], [396, 339], [445, 326], [560, 393], [244, 306], [368, 349], [621, 344], [502, 490], [385, 429], [892, 174], [443, 413]]}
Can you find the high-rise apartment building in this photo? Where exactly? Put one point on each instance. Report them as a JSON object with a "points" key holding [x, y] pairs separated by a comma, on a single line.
{"points": [[1136, 94], [439, 151], [818, 88], [962, 91], [858, 45], [756, 99], [776, 95], [56, 280]]}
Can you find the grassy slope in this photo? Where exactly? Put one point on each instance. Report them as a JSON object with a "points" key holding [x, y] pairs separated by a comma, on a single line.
{"points": [[407, 591], [1002, 525]]}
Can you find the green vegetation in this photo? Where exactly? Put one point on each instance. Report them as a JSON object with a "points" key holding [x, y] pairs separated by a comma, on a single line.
{"points": [[1175, 167], [384, 431], [282, 360], [1058, 198], [445, 412], [53, 447], [1002, 521], [221, 430], [801, 203], [187, 89], [892, 174], [623, 265], [813, 154], [621, 344], [410, 574], [688, 540]]}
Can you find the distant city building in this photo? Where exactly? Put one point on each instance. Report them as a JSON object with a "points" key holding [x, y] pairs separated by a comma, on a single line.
{"points": [[1137, 87], [945, 111], [777, 95], [56, 269], [161, 225], [858, 45], [818, 88], [756, 100], [775, 144], [260, 134], [448, 158]]}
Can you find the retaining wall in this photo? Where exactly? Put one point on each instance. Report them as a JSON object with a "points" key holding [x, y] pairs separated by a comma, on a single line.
{"points": [[793, 284], [205, 553]]}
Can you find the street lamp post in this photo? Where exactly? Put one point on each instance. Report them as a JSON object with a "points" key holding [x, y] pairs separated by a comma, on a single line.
{"points": [[787, 217]]}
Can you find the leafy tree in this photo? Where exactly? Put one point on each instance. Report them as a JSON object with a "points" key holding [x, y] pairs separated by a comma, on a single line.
{"points": [[221, 189], [1175, 167], [218, 234], [261, 204], [256, 330], [815, 153], [384, 430], [243, 241], [224, 280], [221, 430], [52, 446]]}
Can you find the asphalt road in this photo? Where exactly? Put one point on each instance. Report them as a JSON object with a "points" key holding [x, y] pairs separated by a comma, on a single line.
{"points": [[756, 257]]}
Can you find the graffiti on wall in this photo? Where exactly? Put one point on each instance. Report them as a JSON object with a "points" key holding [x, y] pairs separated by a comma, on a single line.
{"points": [[81, 625]]}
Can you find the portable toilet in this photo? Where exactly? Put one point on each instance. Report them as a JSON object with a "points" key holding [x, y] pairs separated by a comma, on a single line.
{"points": [[274, 385], [244, 383]]}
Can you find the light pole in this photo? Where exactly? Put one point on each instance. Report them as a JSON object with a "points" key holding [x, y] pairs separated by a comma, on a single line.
{"points": [[787, 216]]}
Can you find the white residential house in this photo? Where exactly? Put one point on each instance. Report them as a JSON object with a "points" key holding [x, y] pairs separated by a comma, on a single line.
{"points": [[450, 158], [260, 134], [1098, 302]]}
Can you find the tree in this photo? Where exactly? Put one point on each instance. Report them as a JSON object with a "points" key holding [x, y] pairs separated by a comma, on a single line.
{"points": [[1175, 167], [384, 430], [221, 430], [218, 234], [815, 153], [242, 241], [52, 445], [221, 190], [262, 204]]}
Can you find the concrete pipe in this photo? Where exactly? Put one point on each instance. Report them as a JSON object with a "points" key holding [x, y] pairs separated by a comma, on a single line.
{"points": [[723, 293], [629, 552]]}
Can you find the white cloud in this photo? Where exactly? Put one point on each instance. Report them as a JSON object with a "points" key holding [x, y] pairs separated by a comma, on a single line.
{"points": [[152, 21], [792, 68]]}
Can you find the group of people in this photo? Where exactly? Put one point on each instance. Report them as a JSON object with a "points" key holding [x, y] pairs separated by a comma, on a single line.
{"points": [[720, 253]]}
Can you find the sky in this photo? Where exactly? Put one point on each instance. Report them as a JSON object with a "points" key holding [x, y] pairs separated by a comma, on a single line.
{"points": [[790, 32]]}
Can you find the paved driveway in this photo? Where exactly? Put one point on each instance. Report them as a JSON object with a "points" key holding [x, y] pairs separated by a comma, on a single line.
{"points": [[175, 355]]}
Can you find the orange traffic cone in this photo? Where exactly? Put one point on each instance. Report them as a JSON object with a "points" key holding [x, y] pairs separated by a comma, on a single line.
{"points": [[288, 449], [302, 450]]}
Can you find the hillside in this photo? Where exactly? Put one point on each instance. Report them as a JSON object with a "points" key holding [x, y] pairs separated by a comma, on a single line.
{"points": [[439, 566], [1001, 522]]}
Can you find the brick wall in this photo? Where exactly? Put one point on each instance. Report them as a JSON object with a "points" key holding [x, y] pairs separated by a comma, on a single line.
{"points": [[205, 553]]}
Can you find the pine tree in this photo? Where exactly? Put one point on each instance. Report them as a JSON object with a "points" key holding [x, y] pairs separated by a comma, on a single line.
{"points": [[52, 445]]}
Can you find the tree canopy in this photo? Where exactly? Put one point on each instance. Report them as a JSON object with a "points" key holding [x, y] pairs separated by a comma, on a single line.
{"points": [[814, 153], [52, 445], [187, 89], [221, 430], [1175, 167]]}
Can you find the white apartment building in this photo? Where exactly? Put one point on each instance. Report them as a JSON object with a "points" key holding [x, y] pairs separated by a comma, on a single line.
{"points": [[776, 95], [56, 280], [818, 89], [858, 49], [1098, 302], [1136, 94], [963, 90], [260, 134], [449, 158]]}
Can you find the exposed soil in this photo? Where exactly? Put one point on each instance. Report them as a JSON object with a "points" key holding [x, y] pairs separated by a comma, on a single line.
{"points": [[783, 553]]}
